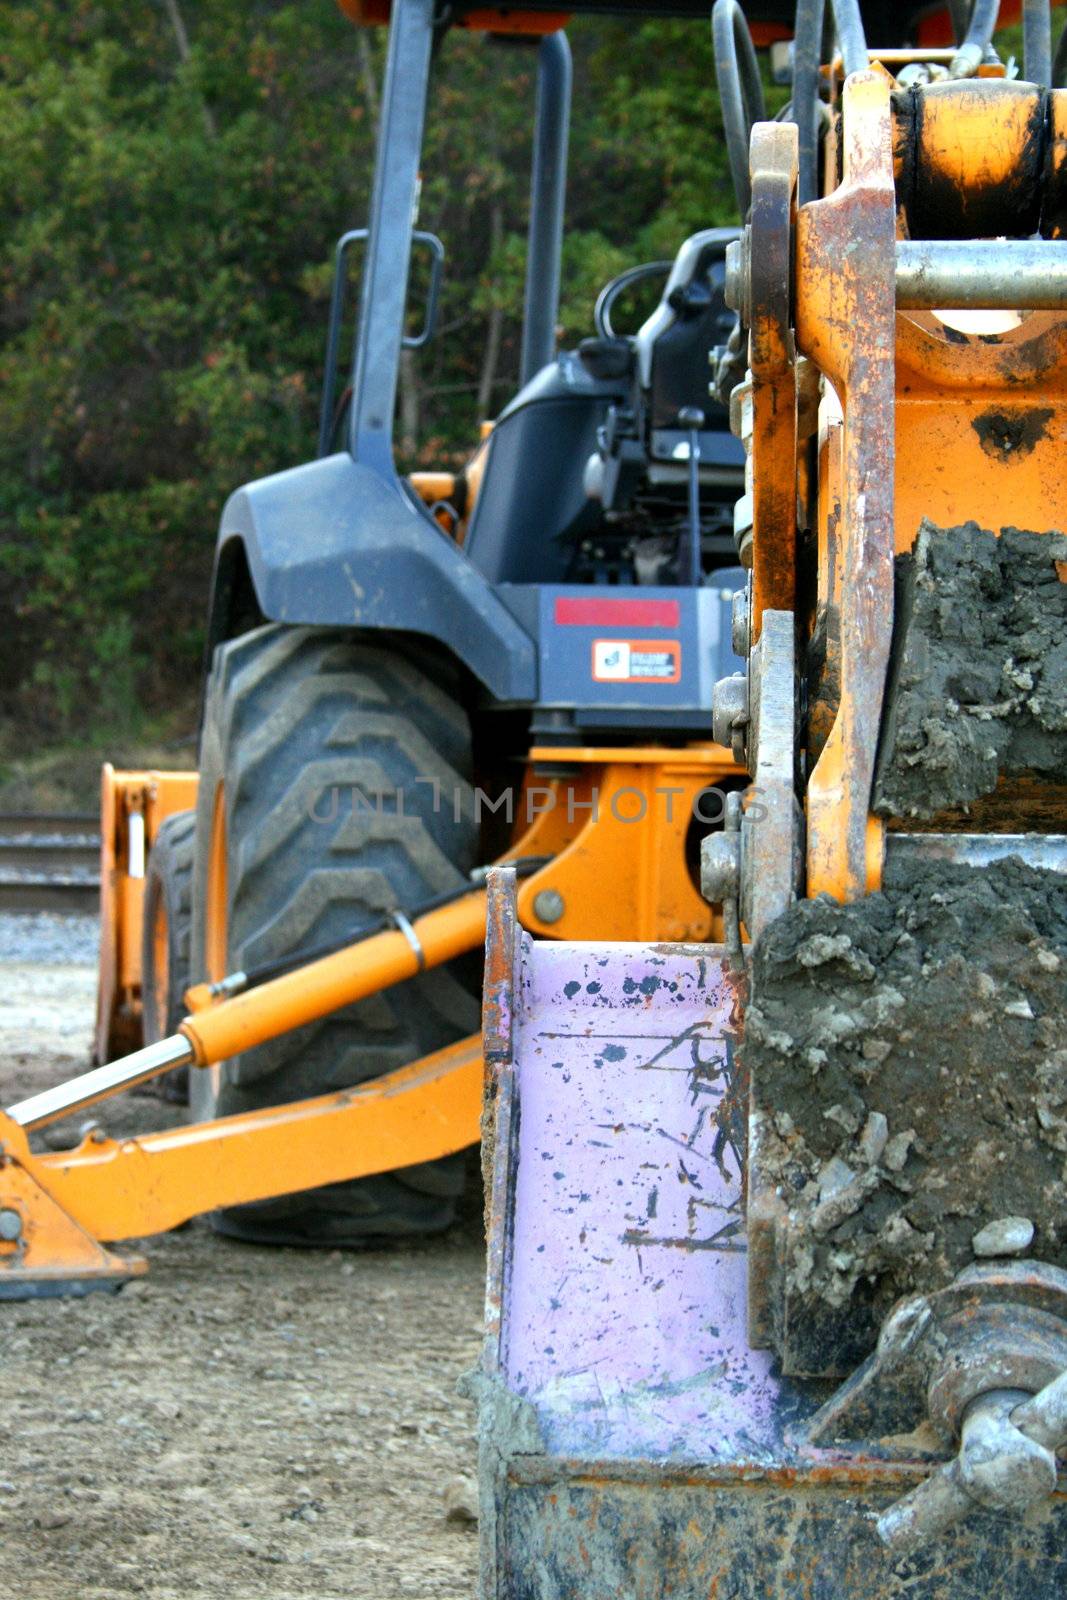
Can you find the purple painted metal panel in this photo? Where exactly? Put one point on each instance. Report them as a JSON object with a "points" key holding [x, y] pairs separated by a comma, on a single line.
{"points": [[625, 1319]]}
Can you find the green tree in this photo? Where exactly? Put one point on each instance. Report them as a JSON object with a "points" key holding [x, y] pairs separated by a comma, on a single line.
{"points": [[173, 175]]}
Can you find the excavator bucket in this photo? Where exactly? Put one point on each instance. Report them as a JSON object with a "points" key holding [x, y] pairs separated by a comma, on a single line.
{"points": [[633, 1442]]}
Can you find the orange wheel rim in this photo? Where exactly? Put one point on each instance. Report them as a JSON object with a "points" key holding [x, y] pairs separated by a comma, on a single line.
{"points": [[216, 908], [161, 966]]}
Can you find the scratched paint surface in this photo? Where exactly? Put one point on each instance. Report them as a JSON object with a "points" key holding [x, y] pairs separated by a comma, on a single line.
{"points": [[626, 1312]]}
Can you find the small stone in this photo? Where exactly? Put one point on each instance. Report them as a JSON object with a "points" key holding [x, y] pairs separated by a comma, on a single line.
{"points": [[309, 1511], [461, 1500], [169, 1410], [1049, 960], [900, 1239], [824, 947], [875, 1049], [844, 1116], [49, 1520], [1008, 1236], [895, 1154], [872, 1141], [834, 1176], [841, 1204], [1018, 1008]]}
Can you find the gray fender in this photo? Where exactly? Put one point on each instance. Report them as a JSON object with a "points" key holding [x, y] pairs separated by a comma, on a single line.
{"points": [[334, 543]]}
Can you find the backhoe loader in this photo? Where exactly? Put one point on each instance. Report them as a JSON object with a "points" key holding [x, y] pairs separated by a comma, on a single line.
{"points": [[772, 1102]]}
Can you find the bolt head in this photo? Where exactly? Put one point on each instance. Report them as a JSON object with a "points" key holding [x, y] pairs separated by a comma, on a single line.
{"points": [[720, 867], [735, 287], [731, 288], [729, 707], [739, 622], [10, 1225], [549, 905]]}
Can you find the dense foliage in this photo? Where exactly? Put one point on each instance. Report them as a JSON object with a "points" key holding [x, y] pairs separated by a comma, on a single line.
{"points": [[173, 174]]}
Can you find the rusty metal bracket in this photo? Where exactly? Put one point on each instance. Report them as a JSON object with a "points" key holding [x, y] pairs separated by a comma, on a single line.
{"points": [[1002, 1324], [44, 1252], [984, 1362], [845, 322]]}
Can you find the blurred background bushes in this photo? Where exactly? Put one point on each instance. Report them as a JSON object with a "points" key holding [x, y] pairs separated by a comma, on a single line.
{"points": [[173, 176]]}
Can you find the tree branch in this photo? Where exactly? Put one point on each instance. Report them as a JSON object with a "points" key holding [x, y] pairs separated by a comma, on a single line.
{"points": [[181, 39]]}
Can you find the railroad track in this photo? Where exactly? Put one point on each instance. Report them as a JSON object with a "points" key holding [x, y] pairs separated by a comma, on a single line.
{"points": [[49, 863]]}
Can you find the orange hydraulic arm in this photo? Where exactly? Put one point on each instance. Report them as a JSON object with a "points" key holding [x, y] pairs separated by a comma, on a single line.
{"points": [[122, 1189], [335, 981], [55, 1209]]}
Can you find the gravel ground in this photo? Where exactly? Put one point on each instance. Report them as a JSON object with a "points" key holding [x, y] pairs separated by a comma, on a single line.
{"points": [[52, 937], [242, 1423]]}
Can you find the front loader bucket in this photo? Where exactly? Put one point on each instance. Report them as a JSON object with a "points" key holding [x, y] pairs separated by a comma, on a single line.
{"points": [[633, 1445]]}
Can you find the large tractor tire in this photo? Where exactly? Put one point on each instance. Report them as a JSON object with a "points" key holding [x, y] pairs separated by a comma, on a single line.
{"points": [[165, 947], [334, 787]]}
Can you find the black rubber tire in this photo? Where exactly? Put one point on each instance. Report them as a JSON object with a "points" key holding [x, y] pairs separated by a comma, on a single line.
{"points": [[168, 887], [296, 720]]}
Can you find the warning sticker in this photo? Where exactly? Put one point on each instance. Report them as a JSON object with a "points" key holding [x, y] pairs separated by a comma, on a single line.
{"points": [[637, 660]]}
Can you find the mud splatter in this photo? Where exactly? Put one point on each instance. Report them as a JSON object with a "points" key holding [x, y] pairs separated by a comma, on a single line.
{"points": [[979, 685]]}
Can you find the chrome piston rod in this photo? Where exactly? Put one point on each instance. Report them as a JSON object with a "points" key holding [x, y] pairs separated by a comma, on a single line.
{"points": [[908, 853], [77, 1094], [987, 274]]}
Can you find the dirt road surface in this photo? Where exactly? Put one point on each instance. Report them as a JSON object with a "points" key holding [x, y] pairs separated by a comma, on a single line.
{"points": [[243, 1422]]}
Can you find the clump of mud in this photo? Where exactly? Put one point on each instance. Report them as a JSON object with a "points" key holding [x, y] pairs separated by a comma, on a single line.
{"points": [[978, 688], [908, 1057]]}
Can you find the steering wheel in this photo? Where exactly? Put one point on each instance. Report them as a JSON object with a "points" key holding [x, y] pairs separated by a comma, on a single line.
{"points": [[626, 280]]}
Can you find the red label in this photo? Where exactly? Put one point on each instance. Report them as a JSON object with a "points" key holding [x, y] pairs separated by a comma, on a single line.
{"points": [[594, 613]]}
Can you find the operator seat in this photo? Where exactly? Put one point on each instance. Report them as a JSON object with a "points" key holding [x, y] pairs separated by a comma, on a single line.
{"points": [[601, 424], [532, 503], [648, 442], [673, 351]]}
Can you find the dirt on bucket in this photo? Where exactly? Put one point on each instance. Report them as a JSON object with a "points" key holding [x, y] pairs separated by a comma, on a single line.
{"points": [[908, 1055], [978, 690]]}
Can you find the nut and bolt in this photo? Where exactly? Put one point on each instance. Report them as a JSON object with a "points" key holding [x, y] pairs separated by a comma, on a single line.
{"points": [[10, 1225], [549, 905]]}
